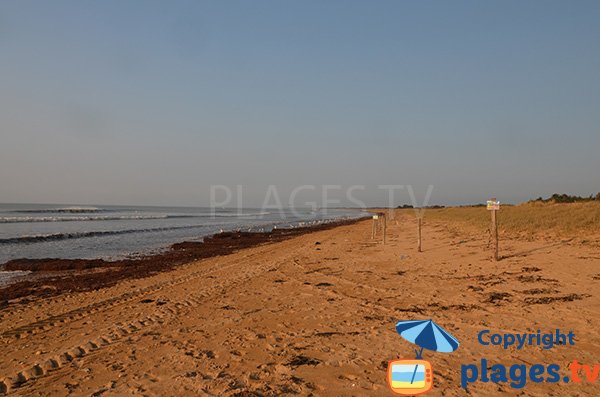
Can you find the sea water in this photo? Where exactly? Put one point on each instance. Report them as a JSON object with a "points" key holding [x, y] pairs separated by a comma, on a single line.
{"points": [[115, 232]]}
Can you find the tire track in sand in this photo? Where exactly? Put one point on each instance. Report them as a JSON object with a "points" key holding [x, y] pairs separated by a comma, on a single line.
{"points": [[80, 313], [115, 334]]}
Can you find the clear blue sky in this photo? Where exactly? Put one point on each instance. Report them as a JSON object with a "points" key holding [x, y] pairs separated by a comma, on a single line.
{"points": [[141, 102]]}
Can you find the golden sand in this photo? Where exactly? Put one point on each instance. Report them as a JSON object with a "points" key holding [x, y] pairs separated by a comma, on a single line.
{"points": [[313, 315]]}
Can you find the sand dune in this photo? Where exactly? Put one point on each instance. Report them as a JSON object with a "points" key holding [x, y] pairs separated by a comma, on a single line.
{"points": [[312, 315]]}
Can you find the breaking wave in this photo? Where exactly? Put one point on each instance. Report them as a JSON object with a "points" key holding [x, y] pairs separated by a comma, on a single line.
{"points": [[75, 235], [36, 219]]}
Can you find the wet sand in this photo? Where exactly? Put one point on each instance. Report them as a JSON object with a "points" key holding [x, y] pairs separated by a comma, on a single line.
{"points": [[52, 276], [313, 314]]}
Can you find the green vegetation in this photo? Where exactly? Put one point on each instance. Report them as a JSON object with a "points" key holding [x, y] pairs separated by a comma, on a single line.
{"points": [[566, 198], [532, 218]]}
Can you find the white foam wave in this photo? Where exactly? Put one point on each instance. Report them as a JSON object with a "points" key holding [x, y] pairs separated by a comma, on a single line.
{"points": [[34, 219]]}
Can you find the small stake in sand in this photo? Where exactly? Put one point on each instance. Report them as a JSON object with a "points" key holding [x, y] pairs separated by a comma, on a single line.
{"points": [[493, 205], [375, 218], [419, 219], [384, 228]]}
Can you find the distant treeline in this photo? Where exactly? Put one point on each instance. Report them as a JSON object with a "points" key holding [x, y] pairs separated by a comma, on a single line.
{"points": [[567, 198], [405, 206]]}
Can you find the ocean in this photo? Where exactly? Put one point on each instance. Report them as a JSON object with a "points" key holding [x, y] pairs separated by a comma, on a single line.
{"points": [[116, 232]]}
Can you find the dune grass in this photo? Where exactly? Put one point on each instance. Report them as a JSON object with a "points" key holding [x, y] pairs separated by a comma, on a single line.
{"points": [[573, 219]]}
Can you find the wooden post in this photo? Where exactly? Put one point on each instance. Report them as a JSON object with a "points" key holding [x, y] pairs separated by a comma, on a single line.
{"points": [[373, 229], [495, 233], [384, 228], [419, 219], [494, 205]]}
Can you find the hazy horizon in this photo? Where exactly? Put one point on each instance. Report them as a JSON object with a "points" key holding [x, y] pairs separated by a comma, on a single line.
{"points": [[398, 202], [130, 103]]}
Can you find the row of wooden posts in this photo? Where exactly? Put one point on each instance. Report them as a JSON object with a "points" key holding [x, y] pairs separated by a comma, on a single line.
{"points": [[380, 223]]}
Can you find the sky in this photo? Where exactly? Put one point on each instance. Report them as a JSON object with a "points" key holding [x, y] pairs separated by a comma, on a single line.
{"points": [[151, 103]]}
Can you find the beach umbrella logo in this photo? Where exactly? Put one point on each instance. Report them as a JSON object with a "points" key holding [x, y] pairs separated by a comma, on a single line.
{"points": [[410, 377]]}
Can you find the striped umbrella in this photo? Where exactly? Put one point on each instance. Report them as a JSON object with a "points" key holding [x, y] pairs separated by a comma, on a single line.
{"points": [[427, 334]]}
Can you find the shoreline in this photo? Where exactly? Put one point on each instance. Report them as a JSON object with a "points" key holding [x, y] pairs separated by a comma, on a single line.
{"points": [[53, 276]]}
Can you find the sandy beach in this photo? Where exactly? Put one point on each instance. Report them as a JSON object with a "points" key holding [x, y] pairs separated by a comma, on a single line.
{"points": [[320, 199], [311, 315]]}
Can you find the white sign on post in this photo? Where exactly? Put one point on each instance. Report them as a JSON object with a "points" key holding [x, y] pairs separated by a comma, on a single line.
{"points": [[493, 205]]}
